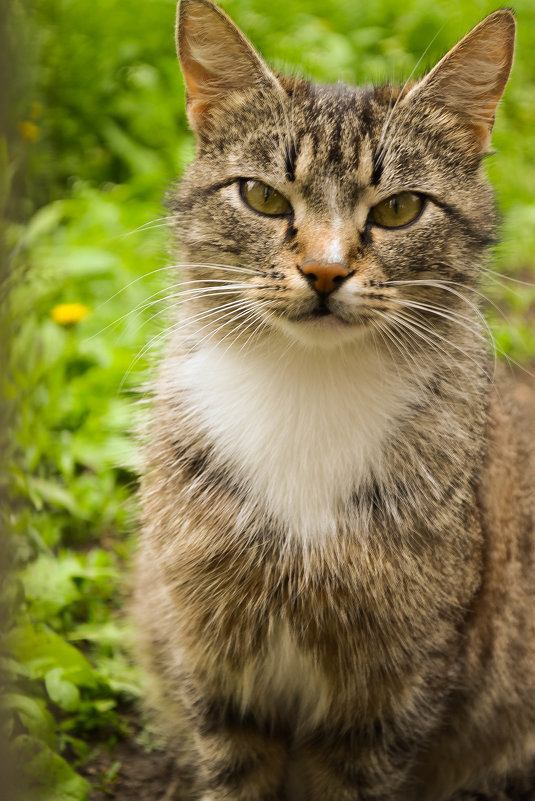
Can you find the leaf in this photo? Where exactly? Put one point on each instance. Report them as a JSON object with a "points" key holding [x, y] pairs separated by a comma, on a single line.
{"points": [[43, 222], [87, 261], [104, 704], [139, 158], [104, 453], [78, 746], [120, 675], [46, 775], [48, 584], [61, 691], [109, 633], [112, 774], [33, 715], [11, 668], [40, 649], [50, 492]]}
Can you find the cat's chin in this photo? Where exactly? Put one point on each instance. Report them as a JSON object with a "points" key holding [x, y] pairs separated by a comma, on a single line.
{"points": [[325, 331]]}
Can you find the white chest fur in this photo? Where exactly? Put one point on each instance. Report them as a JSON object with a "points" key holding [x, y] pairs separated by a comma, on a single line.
{"points": [[286, 679], [302, 428]]}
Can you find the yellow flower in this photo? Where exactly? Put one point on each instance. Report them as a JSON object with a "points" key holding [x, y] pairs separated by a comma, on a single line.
{"points": [[69, 313], [29, 130]]}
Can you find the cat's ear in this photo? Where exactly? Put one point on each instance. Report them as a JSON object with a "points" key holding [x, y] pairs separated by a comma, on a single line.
{"points": [[216, 59], [470, 79]]}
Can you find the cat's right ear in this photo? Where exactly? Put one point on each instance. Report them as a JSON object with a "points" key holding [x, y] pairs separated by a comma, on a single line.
{"points": [[216, 59], [471, 78]]}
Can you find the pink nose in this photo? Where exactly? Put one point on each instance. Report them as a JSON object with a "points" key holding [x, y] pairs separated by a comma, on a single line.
{"points": [[325, 278]]}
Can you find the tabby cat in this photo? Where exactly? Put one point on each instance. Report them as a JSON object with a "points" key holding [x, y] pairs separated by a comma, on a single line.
{"points": [[336, 579]]}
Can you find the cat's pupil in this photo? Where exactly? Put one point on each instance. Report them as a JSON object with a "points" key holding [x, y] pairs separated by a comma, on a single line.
{"points": [[267, 193], [394, 205]]}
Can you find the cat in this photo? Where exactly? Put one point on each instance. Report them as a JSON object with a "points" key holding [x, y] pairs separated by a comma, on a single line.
{"points": [[335, 577]]}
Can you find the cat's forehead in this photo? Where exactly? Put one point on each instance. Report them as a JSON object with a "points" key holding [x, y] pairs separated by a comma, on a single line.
{"points": [[321, 134], [336, 106], [334, 126]]}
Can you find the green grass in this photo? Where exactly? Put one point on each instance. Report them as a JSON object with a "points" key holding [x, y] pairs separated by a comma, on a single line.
{"points": [[96, 134]]}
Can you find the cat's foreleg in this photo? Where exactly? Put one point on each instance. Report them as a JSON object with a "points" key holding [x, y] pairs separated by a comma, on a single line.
{"points": [[343, 769], [239, 763]]}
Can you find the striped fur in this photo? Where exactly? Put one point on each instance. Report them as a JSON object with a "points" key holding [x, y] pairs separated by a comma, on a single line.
{"points": [[336, 570]]}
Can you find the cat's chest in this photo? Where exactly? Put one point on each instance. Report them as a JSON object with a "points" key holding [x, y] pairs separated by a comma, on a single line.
{"points": [[301, 434], [285, 679]]}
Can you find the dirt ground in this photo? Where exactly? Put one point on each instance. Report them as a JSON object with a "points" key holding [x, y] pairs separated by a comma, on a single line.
{"points": [[131, 772]]}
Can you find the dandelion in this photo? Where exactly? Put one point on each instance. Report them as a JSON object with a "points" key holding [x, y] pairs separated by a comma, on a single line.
{"points": [[69, 313], [29, 131]]}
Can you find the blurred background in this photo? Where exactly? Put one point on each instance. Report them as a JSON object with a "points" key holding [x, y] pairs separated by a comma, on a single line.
{"points": [[93, 132]]}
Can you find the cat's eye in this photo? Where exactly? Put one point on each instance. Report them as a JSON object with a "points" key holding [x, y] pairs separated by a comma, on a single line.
{"points": [[264, 198], [397, 210]]}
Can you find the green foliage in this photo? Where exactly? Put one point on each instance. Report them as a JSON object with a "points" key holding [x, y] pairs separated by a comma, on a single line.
{"points": [[48, 776], [96, 134], [74, 476]]}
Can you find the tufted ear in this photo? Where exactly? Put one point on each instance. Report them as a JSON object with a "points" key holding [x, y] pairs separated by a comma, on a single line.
{"points": [[216, 59], [470, 79]]}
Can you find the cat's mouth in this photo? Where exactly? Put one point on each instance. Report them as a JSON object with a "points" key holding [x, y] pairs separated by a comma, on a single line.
{"points": [[323, 315], [322, 310], [321, 325]]}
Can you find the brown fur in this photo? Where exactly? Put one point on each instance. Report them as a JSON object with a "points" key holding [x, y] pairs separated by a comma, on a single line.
{"points": [[390, 654]]}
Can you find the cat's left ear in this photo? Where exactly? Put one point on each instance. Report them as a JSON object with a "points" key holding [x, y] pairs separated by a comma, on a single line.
{"points": [[216, 59], [471, 78]]}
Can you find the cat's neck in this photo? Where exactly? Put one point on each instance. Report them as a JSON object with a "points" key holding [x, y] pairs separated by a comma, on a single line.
{"points": [[301, 428]]}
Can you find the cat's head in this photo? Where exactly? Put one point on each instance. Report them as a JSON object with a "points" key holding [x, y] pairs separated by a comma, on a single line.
{"points": [[330, 212]]}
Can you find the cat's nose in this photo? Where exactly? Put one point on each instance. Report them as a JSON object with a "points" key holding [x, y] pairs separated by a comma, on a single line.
{"points": [[325, 278]]}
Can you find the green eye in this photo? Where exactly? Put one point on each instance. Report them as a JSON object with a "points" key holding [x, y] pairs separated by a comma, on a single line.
{"points": [[264, 198], [397, 210]]}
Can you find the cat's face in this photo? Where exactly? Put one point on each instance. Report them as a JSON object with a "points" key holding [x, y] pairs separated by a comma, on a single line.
{"points": [[330, 212]]}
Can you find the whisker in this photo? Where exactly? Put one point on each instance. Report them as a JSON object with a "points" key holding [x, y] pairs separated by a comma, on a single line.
{"points": [[264, 320], [246, 310], [206, 313], [509, 289], [176, 327], [153, 300], [490, 273], [179, 296], [385, 339], [458, 320], [262, 325], [406, 325], [420, 329], [224, 267], [498, 349], [131, 283], [239, 330], [386, 333], [437, 311], [162, 222], [447, 285]]}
